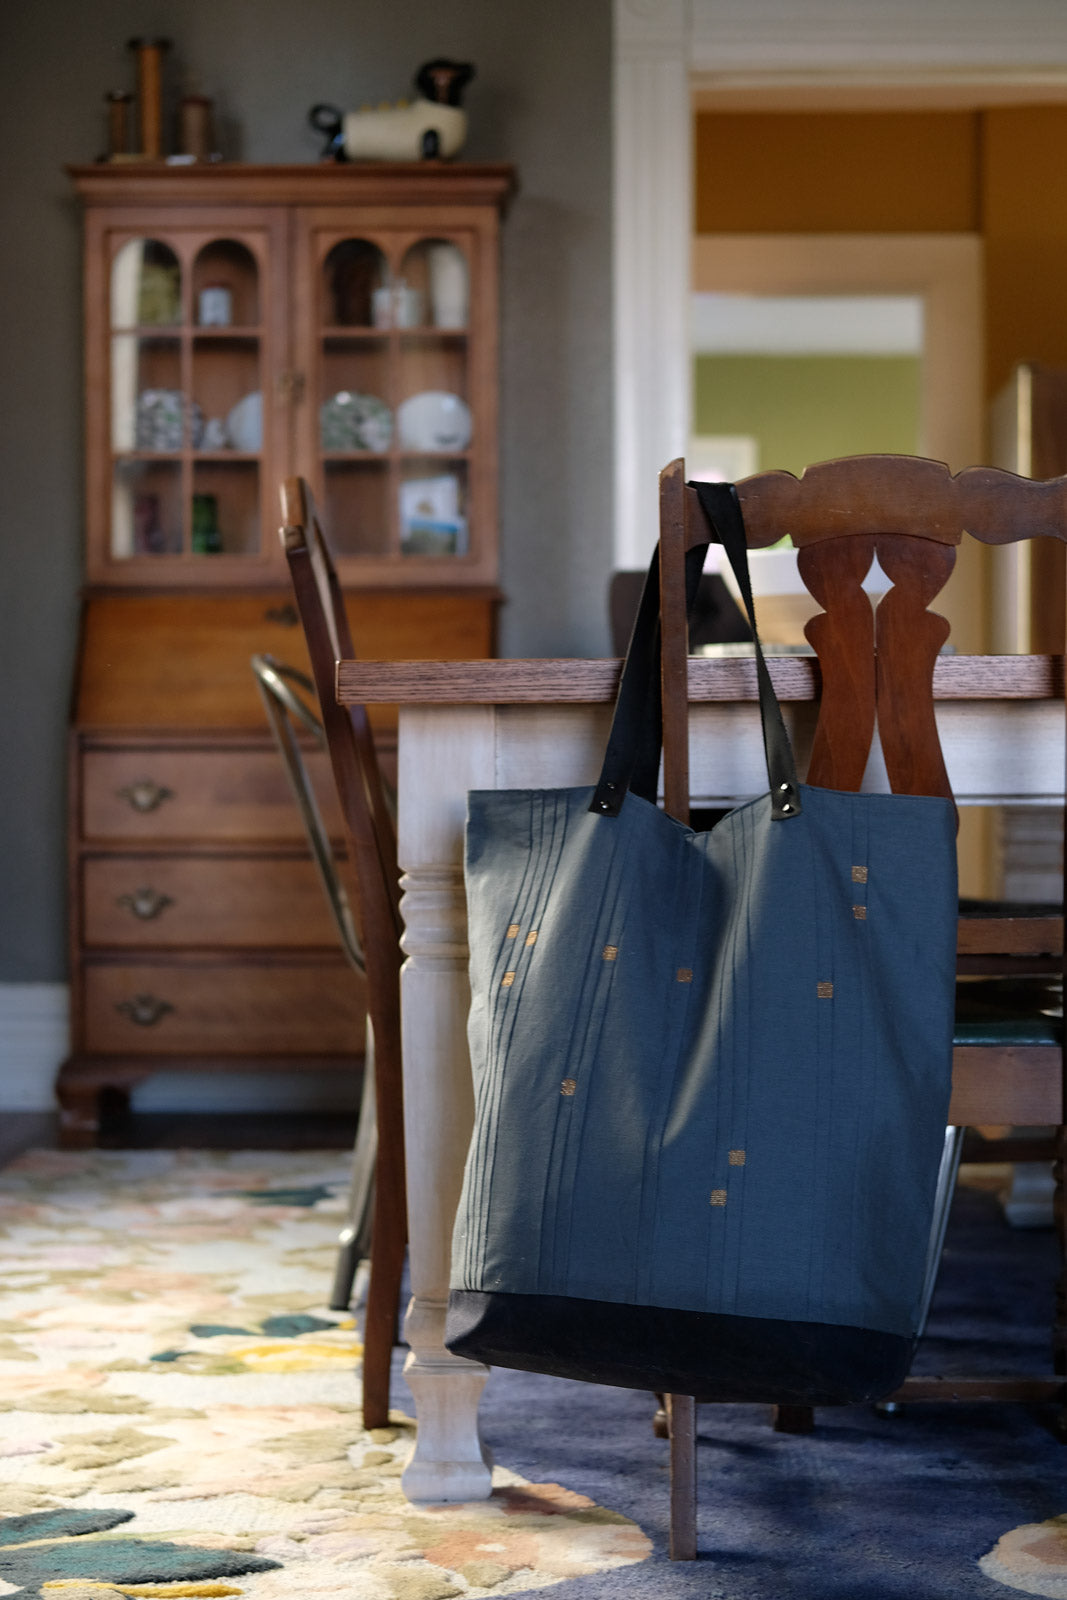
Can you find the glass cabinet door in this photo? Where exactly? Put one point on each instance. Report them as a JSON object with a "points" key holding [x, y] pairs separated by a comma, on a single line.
{"points": [[186, 375], [390, 388]]}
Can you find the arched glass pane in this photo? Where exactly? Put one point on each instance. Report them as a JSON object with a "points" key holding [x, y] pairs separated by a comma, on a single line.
{"points": [[146, 285], [226, 286], [353, 273], [435, 271]]}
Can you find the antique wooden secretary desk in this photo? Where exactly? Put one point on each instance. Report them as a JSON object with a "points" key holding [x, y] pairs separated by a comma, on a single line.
{"points": [[244, 323]]}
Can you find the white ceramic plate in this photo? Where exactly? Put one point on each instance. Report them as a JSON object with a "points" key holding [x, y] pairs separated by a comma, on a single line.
{"points": [[434, 420]]}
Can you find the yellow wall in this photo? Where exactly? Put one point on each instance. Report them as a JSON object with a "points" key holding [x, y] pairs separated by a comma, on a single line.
{"points": [[1001, 173], [837, 172], [1024, 220]]}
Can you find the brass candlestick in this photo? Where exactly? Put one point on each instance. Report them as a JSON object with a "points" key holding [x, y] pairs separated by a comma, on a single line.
{"points": [[194, 127], [118, 122], [150, 94]]}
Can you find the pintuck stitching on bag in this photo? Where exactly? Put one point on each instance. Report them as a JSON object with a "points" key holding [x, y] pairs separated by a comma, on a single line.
{"points": [[590, 1008], [547, 836]]}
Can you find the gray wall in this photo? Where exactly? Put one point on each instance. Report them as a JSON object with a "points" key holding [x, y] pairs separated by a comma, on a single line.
{"points": [[541, 100]]}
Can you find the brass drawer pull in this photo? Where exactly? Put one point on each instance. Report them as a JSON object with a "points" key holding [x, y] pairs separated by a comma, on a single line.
{"points": [[144, 1010], [146, 795], [286, 616], [145, 904]]}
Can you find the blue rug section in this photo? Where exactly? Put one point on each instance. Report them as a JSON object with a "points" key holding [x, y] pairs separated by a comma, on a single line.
{"points": [[865, 1508]]}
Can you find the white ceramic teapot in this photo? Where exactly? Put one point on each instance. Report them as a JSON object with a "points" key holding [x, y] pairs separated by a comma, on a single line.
{"points": [[432, 126]]}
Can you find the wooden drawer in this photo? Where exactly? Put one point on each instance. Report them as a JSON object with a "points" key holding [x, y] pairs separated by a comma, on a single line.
{"points": [[175, 902], [188, 793], [224, 1008]]}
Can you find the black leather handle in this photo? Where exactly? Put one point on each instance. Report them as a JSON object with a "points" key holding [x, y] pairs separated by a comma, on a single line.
{"points": [[631, 760], [720, 505]]}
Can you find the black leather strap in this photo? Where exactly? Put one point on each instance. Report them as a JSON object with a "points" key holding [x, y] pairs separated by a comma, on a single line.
{"points": [[631, 760], [720, 505]]}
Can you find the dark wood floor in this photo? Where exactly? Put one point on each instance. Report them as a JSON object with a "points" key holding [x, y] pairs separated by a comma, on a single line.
{"points": [[160, 1130]]}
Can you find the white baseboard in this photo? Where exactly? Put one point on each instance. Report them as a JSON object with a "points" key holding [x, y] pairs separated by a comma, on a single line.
{"points": [[35, 1039], [220, 1091]]}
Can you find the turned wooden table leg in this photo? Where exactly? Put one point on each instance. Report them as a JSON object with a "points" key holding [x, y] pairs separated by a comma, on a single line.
{"points": [[449, 1461]]}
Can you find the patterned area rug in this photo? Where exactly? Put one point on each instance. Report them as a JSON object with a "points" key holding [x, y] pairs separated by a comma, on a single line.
{"points": [[179, 1412]]}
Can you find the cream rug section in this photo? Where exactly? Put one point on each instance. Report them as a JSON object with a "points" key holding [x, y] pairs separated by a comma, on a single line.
{"points": [[179, 1411]]}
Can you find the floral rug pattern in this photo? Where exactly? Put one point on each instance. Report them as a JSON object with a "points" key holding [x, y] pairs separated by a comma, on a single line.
{"points": [[179, 1412]]}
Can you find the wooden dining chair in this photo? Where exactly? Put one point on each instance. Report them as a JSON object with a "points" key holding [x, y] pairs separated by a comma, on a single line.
{"points": [[374, 876], [876, 668], [284, 691]]}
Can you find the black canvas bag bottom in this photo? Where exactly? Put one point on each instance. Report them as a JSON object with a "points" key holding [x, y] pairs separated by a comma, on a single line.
{"points": [[753, 1359]]}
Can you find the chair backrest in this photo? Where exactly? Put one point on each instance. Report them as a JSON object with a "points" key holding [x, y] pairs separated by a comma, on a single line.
{"points": [[368, 820], [375, 880], [876, 664], [282, 689]]}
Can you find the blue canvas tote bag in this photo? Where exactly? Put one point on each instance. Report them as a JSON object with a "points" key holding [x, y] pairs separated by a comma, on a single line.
{"points": [[712, 1069]]}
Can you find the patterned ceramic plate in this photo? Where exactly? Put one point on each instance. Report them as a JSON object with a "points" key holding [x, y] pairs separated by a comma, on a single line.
{"points": [[355, 422]]}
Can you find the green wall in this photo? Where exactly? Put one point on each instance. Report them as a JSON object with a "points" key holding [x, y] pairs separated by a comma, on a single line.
{"points": [[811, 408]]}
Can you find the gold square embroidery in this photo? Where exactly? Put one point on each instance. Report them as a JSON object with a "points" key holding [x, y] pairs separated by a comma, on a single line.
{"points": [[736, 1158], [860, 913], [513, 931], [825, 991], [531, 937], [610, 952], [859, 874], [507, 980], [718, 1197], [684, 974], [568, 1086]]}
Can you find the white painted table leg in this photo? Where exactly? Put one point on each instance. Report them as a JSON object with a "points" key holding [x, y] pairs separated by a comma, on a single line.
{"points": [[439, 762]]}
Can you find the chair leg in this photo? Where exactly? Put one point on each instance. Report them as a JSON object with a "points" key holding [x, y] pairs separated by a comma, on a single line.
{"points": [[946, 1188], [681, 1420], [1059, 1211], [388, 1245], [1059, 1324], [793, 1419], [355, 1237], [379, 1328]]}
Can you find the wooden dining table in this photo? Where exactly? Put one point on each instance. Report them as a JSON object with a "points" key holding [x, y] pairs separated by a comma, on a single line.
{"points": [[509, 724]]}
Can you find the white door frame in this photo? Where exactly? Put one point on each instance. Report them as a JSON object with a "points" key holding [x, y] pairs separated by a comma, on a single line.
{"points": [[943, 269], [961, 53]]}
